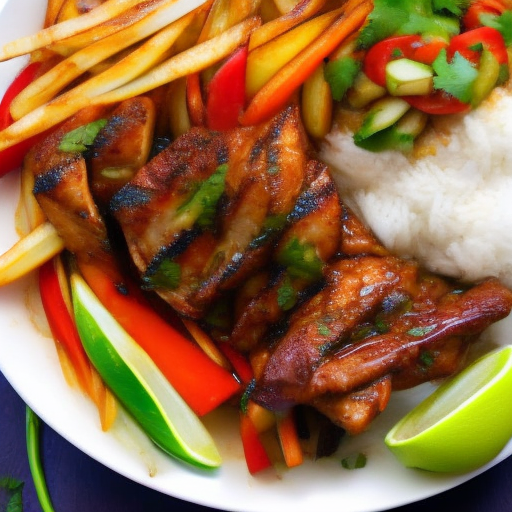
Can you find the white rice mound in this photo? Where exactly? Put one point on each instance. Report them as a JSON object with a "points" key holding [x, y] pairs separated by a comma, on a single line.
{"points": [[452, 211]]}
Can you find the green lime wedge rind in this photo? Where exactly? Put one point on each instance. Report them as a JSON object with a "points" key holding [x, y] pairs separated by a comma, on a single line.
{"points": [[138, 383], [462, 425]]}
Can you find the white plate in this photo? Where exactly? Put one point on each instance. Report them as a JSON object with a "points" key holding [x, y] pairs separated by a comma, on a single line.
{"points": [[28, 360]]}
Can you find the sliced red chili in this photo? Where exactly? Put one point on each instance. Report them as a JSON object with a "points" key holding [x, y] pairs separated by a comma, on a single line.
{"points": [[472, 18]]}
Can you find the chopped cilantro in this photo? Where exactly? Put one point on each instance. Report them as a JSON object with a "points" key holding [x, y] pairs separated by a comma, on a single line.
{"points": [[421, 331], [286, 295], [14, 494], [323, 329], [501, 23], [340, 75], [203, 202], [81, 138], [166, 275], [354, 461], [424, 17], [427, 358], [301, 260], [455, 77]]}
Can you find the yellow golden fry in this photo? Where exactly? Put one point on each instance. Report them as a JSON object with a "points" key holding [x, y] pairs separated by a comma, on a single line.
{"points": [[185, 63], [223, 16], [207, 345], [302, 12], [317, 104], [52, 11], [29, 214], [69, 45], [67, 104], [285, 6], [48, 85], [49, 35], [29, 253]]}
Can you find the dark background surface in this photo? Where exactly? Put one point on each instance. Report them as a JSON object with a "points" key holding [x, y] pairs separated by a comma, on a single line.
{"points": [[78, 483]]}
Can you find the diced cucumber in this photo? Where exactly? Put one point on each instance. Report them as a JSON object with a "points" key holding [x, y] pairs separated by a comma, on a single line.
{"points": [[384, 113], [406, 77], [364, 91], [487, 78], [400, 136]]}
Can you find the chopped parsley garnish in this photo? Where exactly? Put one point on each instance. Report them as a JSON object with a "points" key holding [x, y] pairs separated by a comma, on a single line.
{"points": [[81, 138], [301, 260], [323, 329], [244, 400], [455, 77]]}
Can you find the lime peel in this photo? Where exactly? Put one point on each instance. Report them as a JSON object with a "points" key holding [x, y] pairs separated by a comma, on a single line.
{"points": [[464, 424], [138, 383]]}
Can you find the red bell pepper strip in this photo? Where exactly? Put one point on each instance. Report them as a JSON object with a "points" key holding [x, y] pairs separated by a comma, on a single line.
{"points": [[12, 158], [472, 18], [467, 44], [438, 103], [256, 456], [62, 324], [226, 93], [202, 383], [238, 361]]}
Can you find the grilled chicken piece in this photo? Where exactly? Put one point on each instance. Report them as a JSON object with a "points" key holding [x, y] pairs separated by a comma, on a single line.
{"points": [[302, 369], [202, 216], [312, 239], [122, 147], [62, 189]]}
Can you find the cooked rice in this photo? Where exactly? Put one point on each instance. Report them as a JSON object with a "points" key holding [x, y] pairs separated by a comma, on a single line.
{"points": [[451, 210]]}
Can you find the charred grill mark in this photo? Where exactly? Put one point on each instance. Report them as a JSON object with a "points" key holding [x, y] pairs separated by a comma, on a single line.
{"points": [[49, 180], [310, 200], [130, 196]]}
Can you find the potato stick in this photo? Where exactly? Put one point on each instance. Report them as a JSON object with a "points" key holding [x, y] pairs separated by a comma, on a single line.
{"points": [[276, 92], [46, 87], [67, 104], [302, 12], [223, 16], [29, 253], [46, 36], [69, 45], [52, 11], [190, 61]]}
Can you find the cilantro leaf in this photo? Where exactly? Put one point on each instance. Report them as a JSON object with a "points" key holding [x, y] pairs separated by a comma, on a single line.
{"points": [[79, 139], [14, 494], [455, 77], [501, 23], [286, 295], [456, 7], [340, 75]]}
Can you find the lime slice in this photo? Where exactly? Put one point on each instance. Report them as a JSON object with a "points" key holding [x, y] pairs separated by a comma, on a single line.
{"points": [[138, 383], [464, 424]]}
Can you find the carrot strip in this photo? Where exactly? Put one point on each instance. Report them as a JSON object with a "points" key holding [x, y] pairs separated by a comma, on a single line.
{"points": [[289, 439], [277, 91], [195, 103]]}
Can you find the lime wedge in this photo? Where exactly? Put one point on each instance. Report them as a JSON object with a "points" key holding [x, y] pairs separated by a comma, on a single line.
{"points": [[464, 424], [138, 384]]}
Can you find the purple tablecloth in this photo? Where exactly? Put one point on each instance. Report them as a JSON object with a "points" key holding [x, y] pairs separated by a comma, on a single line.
{"points": [[78, 483]]}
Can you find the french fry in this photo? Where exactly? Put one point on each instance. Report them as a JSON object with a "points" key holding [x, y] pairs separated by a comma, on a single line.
{"points": [[46, 87], [87, 93], [272, 29], [280, 88], [266, 60], [52, 11], [70, 45], [49, 35], [29, 253], [185, 63], [285, 6]]}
